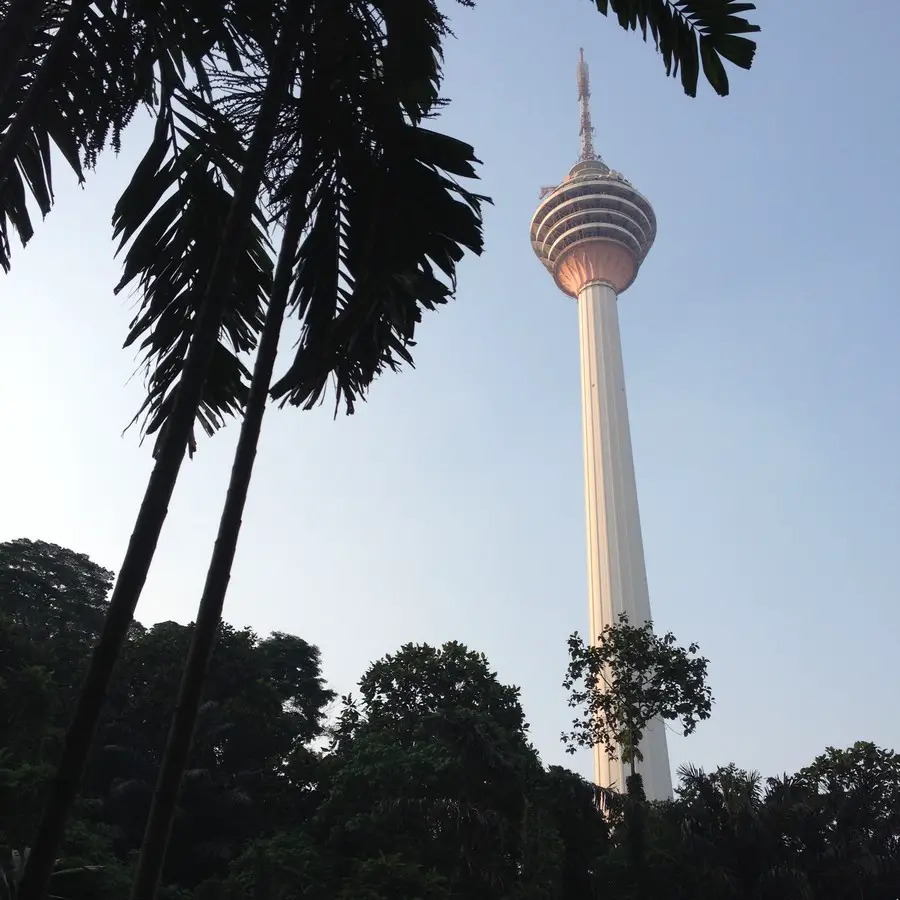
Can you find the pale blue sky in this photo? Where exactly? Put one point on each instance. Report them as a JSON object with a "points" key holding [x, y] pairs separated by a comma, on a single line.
{"points": [[763, 379]]}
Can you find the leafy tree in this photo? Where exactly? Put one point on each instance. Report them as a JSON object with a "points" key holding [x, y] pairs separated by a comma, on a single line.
{"points": [[250, 767], [263, 702], [857, 793], [583, 830], [731, 834], [420, 680], [29, 711], [341, 187], [435, 765], [52, 603], [57, 595], [625, 680], [431, 789], [61, 59]]}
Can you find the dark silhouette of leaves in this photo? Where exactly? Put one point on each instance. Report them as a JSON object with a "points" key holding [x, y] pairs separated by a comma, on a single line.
{"points": [[690, 34]]}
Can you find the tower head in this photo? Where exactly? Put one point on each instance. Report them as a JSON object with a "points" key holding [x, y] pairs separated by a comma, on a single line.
{"points": [[594, 226]]}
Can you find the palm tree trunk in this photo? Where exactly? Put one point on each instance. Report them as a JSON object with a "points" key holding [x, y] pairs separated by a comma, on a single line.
{"points": [[209, 614], [154, 507], [15, 37], [37, 92]]}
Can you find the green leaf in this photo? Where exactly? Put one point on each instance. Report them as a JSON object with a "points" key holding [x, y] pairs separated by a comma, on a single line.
{"points": [[712, 66], [688, 31], [170, 218]]}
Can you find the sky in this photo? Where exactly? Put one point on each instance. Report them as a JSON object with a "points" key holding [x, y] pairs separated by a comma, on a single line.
{"points": [[760, 352]]}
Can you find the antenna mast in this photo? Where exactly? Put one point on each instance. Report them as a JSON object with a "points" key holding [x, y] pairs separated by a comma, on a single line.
{"points": [[584, 101]]}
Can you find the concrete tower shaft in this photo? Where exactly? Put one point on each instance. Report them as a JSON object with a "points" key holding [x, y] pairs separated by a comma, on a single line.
{"points": [[592, 232]]}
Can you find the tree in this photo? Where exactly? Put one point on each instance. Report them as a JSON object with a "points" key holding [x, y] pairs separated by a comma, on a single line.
{"points": [[58, 598], [74, 72], [434, 767], [421, 680], [731, 834], [166, 51], [857, 792], [351, 332], [583, 831], [251, 770], [341, 190], [52, 592], [262, 703], [378, 277], [52, 603], [624, 681]]}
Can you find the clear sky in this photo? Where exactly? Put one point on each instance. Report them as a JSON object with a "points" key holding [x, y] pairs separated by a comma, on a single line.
{"points": [[760, 348]]}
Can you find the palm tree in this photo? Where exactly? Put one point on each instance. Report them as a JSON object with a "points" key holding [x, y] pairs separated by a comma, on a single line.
{"points": [[175, 759], [199, 352], [351, 334], [738, 837], [338, 194]]}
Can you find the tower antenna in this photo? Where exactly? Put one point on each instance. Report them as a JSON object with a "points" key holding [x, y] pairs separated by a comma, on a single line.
{"points": [[584, 101]]}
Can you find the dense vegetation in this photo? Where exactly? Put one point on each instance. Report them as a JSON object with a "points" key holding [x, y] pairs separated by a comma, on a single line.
{"points": [[278, 123], [426, 786]]}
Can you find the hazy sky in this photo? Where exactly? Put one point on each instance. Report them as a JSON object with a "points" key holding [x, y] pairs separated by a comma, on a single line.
{"points": [[760, 348]]}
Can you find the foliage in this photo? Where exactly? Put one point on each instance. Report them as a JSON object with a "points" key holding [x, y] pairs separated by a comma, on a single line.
{"points": [[421, 680], [435, 766], [429, 789], [628, 678], [84, 69], [385, 220], [12, 869], [171, 217], [75, 76], [264, 703], [690, 34], [52, 592], [731, 834]]}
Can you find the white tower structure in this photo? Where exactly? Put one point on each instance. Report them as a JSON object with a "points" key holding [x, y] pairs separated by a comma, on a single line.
{"points": [[592, 232]]}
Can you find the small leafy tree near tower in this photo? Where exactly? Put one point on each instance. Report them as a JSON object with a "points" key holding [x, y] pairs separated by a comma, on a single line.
{"points": [[630, 677]]}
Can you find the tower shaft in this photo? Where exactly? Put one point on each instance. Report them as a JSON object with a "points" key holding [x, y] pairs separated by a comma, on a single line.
{"points": [[617, 578], [592, 232]]}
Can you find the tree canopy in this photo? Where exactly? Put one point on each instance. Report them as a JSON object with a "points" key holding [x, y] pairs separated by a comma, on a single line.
{"points": [[424, 786], [625, 679]]}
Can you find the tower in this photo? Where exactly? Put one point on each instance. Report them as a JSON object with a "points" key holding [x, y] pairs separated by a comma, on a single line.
{"points": [[592, 232]]}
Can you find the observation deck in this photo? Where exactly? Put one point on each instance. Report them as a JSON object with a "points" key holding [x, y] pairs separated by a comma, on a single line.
{"points": [[593, 227]]}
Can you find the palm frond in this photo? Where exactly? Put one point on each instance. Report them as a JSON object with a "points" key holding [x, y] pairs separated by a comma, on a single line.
{"points": [[389, 221], [690, 34], [171, 217], [90, 65], [18, 19], [25, 142]]}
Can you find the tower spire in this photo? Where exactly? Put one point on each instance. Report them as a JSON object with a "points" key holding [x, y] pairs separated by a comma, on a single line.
{"points": [[584, 101]]}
